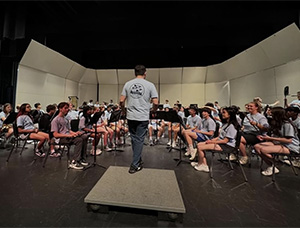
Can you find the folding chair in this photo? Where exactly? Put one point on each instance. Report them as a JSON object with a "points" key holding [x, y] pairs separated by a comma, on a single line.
{"points": [[16, 139], [234, 151], [62, 147]]}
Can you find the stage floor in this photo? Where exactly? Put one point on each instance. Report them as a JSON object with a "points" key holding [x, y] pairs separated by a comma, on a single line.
{"points": [[32, 196]]}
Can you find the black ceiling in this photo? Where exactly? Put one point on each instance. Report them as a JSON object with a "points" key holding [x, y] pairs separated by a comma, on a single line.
{"points": [[103, 35]]}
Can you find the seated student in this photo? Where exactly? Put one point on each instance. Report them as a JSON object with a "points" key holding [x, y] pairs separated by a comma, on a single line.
{"points": [[72, 114], [37, 113], [253, 124], [45, 126], [164, 124], [225, 141], [205, 132], [25, 126], [103, 127], [293, 114], [283, 139], [86, 127], [152, 126], [62, 132], [8, 129], [176, 126], [193, 123]]}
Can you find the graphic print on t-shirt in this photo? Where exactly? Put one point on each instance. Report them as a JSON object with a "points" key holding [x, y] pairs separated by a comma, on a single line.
{"points": [[137, 90]]}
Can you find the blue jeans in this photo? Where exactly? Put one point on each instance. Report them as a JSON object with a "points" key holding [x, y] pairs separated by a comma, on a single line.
{"points": [[138, 130]]}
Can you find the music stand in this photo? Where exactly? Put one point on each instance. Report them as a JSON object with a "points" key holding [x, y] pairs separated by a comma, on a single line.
{"points": [[94, 121], [173, 117], [11, 118], [115, 117]]}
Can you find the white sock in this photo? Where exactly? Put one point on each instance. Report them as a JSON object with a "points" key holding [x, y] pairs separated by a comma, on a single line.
{"points": [[150, 137]]}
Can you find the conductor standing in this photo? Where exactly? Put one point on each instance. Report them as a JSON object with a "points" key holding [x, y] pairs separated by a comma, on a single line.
{"points": [[139, 92]]}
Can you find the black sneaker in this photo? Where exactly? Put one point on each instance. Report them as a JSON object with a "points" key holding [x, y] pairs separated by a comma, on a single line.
{"points": [[84, 162], [75, 165], [134, 169]]}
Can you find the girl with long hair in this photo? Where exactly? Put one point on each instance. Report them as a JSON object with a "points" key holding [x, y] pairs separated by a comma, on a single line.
{"points": [[224, 142], [25, 126], [282, 138]]}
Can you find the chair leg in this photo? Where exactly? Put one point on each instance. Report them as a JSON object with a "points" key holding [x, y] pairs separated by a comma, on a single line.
{"points": [[211, 165], [273, 168], [46, 157], [25, 142], [243, 172], [12, 149], [293, 167]]}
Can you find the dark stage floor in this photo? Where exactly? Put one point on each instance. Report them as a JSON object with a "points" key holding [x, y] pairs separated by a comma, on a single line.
{"points": [[32, 196]]}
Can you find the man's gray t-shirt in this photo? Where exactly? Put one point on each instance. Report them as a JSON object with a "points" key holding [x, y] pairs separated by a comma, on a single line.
{"points": [[138, 92], [60, 125]]}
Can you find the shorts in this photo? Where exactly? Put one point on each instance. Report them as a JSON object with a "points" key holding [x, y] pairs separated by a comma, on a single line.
{"points": [[251, 138], [226, 148], [200, 137]]}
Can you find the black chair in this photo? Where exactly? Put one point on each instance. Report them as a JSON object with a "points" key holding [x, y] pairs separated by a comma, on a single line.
{"points": [[61, 146], [275, 158], [235, 151], [17, 139]]}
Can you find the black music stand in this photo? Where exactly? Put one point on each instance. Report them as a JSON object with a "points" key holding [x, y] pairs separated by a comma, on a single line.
{"points": [[94, 121], [11, 118], [115, 117]]}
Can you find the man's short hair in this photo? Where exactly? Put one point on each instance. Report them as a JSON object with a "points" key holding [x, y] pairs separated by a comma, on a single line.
{"points": [[62, 104], [139, 70], [293, 109], [50, 107]]}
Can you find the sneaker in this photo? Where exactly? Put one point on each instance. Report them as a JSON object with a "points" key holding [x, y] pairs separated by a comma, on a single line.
{"points": [[269, 171], [202, 168], [83, 162], [156, 141], [134, 169], [187, 153], [107, 149], [151, 142], [244, 160], [296, 163], [40, 153], [55, 155], [174, 144], [163, 135], [169, 143], [232, 157], [98, 151], [193, 154], [75, 165], [193, 164]]}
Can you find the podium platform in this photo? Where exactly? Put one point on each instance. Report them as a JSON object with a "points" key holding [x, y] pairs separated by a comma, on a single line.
{"points": [[150, 189]]}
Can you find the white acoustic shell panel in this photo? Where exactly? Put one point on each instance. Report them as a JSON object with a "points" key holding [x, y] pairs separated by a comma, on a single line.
{"points": [[215, 73], [171, 92], [288, 75], [44, 59], [71, 88], [153, 75], [171, 75], [76, 72], [89, 77], [125, 75], [283, 46], [108, 92], [261, 84], [194, 75], [87, 92], [107, 77], [217, 92], [192, 94], [248, 62]]}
